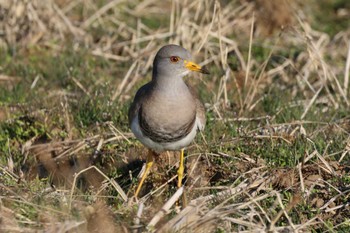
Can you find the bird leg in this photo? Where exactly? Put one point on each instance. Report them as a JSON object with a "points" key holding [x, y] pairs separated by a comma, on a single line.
{"points": [[180, 171], [149, 163]]}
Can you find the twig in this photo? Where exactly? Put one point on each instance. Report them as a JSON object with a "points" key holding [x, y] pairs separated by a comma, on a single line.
{"points": [[100, 12], [125, 79], [311, 103], [116, 131], [81, 86], [138, 216], [109, 56], [146, 38], [112, 182], [209, 29], [347, 70], [249, 52], [74, 30], [165, 208]]}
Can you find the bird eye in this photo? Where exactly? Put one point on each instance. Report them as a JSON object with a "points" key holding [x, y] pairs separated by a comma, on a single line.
{"points": [[174, 59]]}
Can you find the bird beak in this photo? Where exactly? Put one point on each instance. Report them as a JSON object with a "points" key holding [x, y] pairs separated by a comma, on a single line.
{"points": [[195, 67]]}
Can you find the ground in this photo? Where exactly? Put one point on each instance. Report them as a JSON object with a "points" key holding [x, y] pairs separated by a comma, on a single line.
{"points": [[274, 156]]}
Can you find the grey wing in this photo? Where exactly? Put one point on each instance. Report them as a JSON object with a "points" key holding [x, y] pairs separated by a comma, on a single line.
{"points": [[200, 110], [136, 104], [201, 114]]}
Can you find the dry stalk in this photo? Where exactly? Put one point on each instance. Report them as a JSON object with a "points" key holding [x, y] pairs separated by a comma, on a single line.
{"points": [[100, 12], [347, 72], [115, 185], [247, 71], [165, 208]]}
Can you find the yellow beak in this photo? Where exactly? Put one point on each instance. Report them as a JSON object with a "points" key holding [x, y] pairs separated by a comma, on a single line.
{"points": [[195, 67]]}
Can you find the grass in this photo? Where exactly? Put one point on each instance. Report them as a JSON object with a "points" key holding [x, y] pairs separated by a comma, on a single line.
{"points": [[275, 152]]}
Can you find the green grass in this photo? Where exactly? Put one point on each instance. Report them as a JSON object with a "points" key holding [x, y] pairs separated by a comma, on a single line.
{"points": [[329, 11]]}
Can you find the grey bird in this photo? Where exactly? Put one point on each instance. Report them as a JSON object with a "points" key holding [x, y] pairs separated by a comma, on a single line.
{"points": [[166, 114]]}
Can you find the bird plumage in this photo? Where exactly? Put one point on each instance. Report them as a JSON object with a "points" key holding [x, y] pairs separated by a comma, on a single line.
{"points": [[166, 113]]}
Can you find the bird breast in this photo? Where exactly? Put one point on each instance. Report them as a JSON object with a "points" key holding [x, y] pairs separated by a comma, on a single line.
{"points": [[165, 119]]}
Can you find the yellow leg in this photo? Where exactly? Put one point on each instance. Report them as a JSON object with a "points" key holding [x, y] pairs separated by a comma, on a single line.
{"points": [[180, 171], [149, 163]]}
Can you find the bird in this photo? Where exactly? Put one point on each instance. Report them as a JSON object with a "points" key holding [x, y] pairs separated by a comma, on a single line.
{"points": [[166, 113]]}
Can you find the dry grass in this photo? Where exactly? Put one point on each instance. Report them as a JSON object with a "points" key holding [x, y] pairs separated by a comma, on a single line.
{"points": [[235, 178]]}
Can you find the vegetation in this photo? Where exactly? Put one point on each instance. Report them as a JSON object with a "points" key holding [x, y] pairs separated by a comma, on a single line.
{"points": [[275, 153]]}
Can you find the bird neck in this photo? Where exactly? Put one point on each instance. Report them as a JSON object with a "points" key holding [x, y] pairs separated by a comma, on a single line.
{"points": [[171, 85]]}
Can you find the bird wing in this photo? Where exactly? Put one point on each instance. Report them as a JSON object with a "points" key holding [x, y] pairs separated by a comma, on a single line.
{"points": [[200, 110], [138, 100]]}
